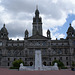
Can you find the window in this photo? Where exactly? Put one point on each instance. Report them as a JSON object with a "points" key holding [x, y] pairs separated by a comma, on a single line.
{"points": [[50, 59], [26, 51], [30, 51], [60, 51], [66, 58], [44, 43], [50, 63], [8, 59], [0, 52], [20, 58], [44, 51], [74, 42], [67, 63], [0, 43], [25, 63], [31, 58], [15, 44], [0, 59], [54, 58], [8, 64], [74, 51], [66, 51], [9, 44], [14, 59], [9, 52], [25, 59], [60, 58]]}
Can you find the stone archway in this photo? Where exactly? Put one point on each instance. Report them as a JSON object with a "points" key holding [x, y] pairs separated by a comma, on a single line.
{"points": [[44, 63], [31, 63]]}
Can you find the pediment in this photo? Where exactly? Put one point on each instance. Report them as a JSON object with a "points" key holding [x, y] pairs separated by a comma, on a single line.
{"points": [[37, 37]]}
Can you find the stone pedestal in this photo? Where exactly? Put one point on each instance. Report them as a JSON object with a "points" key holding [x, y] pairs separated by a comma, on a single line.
{"points": [[38, 60]]}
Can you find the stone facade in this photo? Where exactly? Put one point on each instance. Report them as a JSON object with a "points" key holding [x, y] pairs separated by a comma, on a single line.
{"points": [[63, 49]]}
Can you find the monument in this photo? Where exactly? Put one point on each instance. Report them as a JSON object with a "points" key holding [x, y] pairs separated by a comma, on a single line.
{"points": [[38, 64], [38, 60]]}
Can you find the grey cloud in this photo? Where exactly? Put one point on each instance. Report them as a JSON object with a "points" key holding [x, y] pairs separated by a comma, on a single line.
{"points": [[17, 29], [24, 16], [45, 7], [21, 10], [17, 6]]}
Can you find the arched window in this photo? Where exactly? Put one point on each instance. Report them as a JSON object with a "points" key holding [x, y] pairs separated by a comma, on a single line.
{"points": [[31, 63], [44, 63]]}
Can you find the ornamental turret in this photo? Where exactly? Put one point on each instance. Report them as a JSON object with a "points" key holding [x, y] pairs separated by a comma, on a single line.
{"points": [[70, 32], [4, 32], [26, 33], [48, 34]]}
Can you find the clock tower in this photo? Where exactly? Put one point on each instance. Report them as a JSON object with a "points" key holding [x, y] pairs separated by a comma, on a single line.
{"points": [[37, 23]]}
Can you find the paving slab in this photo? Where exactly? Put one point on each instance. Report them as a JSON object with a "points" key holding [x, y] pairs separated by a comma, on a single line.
{"points": [[6, 71]]}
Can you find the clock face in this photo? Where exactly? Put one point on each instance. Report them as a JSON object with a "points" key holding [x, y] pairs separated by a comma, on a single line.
{"points": [[0, 43]]}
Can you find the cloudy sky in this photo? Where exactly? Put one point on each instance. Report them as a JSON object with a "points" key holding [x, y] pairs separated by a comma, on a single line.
{"points": [[18, 14]]}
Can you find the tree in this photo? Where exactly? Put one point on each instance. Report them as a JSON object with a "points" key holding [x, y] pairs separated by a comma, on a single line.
{"points": [[16, 63]]}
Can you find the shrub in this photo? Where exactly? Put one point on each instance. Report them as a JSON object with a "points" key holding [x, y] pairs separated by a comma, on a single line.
{"points": [[60, 64], [64, 67], [73, 64], [14, 68], [16, 64]]}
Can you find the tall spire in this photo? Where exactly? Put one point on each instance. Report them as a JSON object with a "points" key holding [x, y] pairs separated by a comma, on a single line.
{"points": [[70, 24], [4, 25], [37, 11], [37, 15], [36, 7]]}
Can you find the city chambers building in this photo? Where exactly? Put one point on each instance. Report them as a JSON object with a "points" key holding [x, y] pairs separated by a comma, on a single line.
{"points": [[62, 50]]}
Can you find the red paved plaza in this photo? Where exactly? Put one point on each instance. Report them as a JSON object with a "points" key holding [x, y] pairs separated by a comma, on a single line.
{"points": [[4, 71]]}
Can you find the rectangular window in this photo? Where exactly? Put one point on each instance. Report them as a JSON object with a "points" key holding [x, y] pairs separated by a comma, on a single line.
{"points": [[54, 58], [50, 59], [50, 63], [8, 64], [67, 63], [60, 58], [66, 58], [0, 43], [8, 59], [14, 59]]}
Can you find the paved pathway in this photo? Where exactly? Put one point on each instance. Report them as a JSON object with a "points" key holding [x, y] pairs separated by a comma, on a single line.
{"points": [[4, 71]]}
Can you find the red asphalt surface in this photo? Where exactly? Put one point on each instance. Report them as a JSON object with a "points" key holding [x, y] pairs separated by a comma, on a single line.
{"points": [[5, 71]]}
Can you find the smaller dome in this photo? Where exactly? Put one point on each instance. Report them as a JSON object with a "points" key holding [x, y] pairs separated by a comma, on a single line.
{"points": [[4, 30], [70, 29]]}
